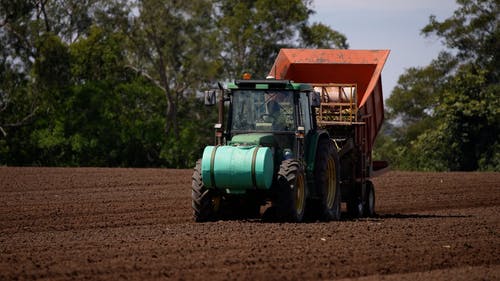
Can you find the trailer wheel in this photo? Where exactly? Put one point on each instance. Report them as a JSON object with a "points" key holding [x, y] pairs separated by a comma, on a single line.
{"points": [[369, 208], [355, 207], [205, 202], [327, 175], [290, 201]]}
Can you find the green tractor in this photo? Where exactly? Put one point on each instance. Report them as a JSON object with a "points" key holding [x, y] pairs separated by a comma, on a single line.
{"points": [[270, 156], [298, 149]]}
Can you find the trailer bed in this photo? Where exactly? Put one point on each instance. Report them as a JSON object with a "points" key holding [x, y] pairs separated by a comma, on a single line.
{"points": [[330, 68]]}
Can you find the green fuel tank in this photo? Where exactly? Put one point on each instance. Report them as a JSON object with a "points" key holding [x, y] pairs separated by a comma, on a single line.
{"points": [[237, 168]]}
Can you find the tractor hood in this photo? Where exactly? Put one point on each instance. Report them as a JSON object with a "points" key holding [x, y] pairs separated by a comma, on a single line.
{"points": [[262, 139]]}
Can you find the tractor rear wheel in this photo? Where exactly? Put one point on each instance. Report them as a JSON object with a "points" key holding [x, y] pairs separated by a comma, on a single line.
{"points": [[290, 201], [205, 202], [369, 208], [327, 177]]}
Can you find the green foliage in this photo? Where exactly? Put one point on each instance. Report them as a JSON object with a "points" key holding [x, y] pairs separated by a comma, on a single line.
{"points": [[321, 36], [470, 113], [253, 32], [472, 31], [196, 132], [174, 47], [98, 57], [52, 63], [446, 116], [118, 83], [101, 117], [416, 94]]}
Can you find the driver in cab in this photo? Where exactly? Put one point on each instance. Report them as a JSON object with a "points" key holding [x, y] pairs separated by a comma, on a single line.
{"points": [[273, 111]]}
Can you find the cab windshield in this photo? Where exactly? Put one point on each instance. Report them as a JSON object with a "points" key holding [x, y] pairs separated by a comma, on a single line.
{"points": [[262, 111]]}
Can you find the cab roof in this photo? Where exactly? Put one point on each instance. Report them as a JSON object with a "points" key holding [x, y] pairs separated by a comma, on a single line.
{"points": [[269, 84]]}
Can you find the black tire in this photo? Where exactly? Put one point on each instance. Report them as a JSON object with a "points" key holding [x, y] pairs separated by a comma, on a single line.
{"points": [[327, 176], [290, 201], [205, 202], [369, 206]]}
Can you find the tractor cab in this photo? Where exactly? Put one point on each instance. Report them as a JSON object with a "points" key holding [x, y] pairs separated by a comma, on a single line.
{"points": [[272, 113]]}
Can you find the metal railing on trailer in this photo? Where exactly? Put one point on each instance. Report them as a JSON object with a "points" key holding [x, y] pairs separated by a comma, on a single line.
{"points": [[338, 104]]}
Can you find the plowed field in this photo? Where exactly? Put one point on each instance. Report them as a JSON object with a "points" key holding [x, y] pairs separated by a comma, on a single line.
{"points": [[113, 224]]}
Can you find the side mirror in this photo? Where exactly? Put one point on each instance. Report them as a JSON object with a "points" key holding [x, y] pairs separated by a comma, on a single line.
{"points": [[315, 99], [210, 97]]}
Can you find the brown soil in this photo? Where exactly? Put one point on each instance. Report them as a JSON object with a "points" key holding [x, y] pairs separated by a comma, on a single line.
{"points": [[109, 224]]}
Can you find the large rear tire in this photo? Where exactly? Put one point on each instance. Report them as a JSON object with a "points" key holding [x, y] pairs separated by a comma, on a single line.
{"points": [[327, 176], [290, 201], [205, 202]]}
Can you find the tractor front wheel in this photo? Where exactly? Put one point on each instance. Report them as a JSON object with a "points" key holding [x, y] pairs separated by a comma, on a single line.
{"points": [[290, 201], [205, 202]]}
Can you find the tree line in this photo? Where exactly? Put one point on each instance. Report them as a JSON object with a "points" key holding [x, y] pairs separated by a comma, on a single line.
{"points": [[446, 116], [117, 82]]}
